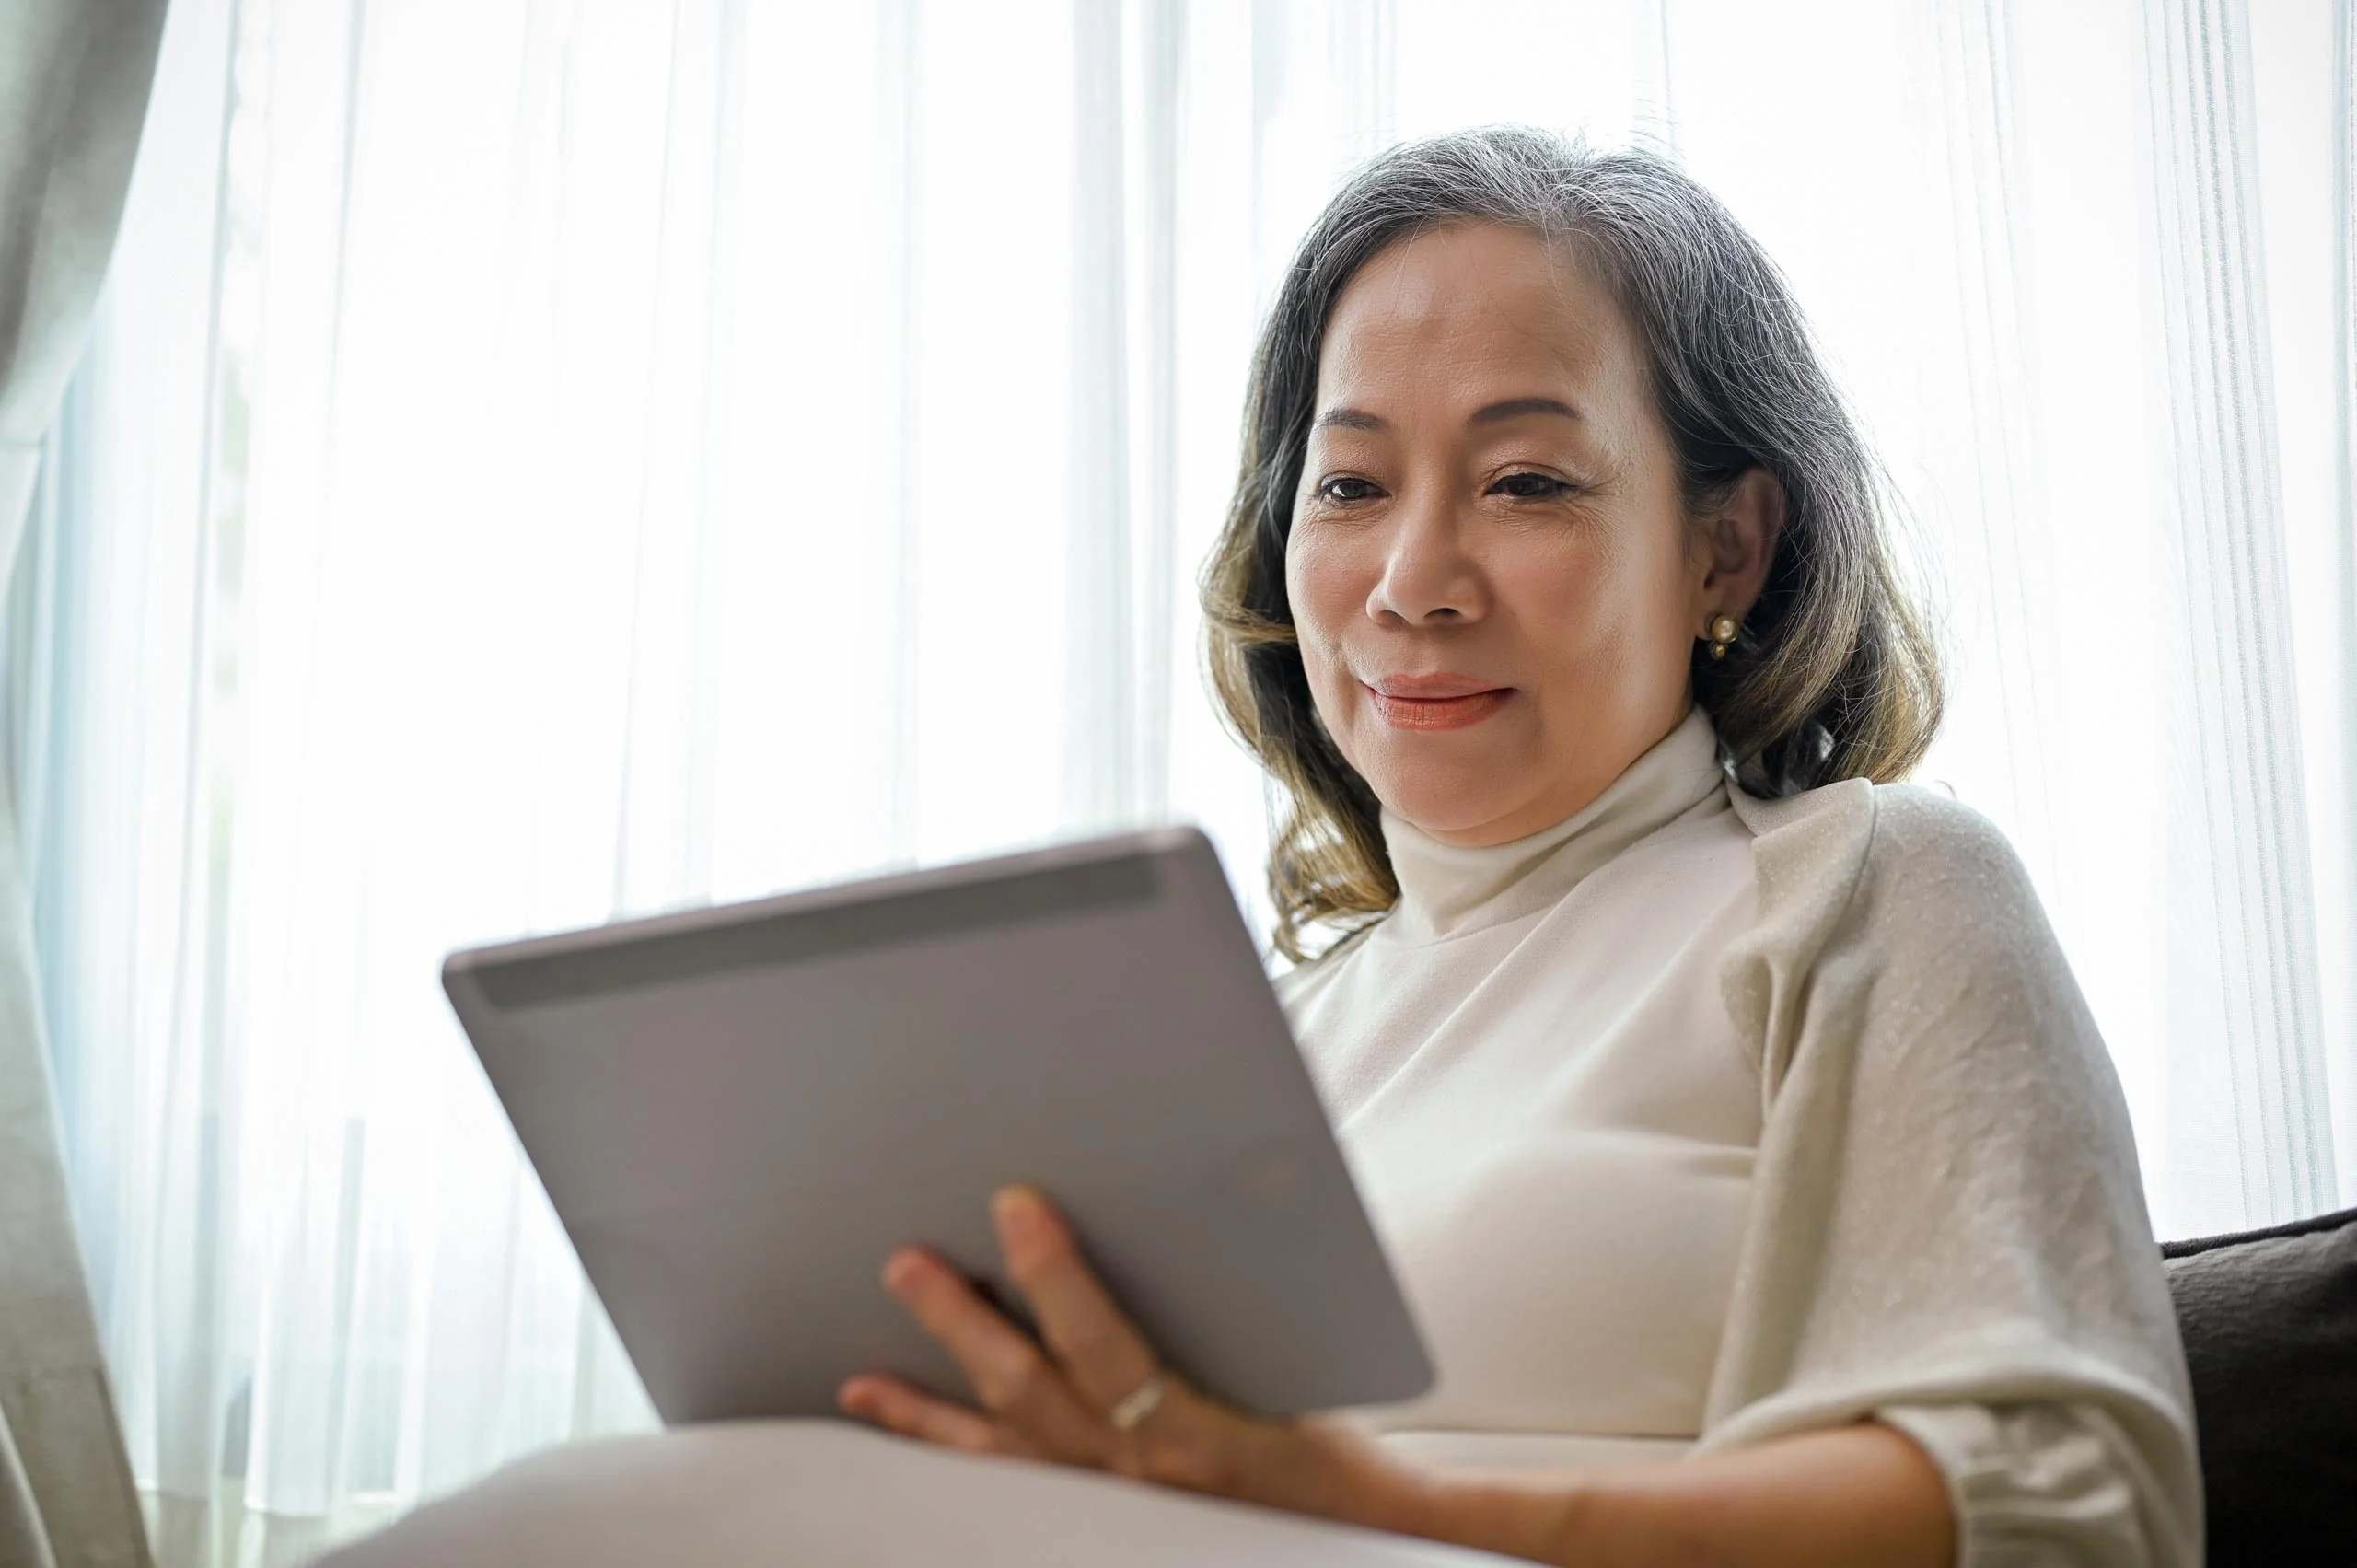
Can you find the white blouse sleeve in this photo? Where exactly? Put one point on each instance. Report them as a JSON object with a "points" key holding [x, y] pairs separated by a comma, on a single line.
{"points": [[1948, 1232]]}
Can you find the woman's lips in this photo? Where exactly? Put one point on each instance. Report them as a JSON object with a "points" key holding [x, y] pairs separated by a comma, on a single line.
{"points": [[1438, 713]]}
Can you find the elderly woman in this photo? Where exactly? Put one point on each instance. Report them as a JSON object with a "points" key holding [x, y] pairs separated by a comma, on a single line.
{"points": [[1722, 1101]]}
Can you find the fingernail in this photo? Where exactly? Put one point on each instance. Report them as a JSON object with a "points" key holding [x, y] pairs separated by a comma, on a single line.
{"points": [[900, 1270], [1018, 1210]]}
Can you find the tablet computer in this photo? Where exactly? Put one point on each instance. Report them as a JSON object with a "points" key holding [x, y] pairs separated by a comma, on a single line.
{"points": [[740, 1112]]}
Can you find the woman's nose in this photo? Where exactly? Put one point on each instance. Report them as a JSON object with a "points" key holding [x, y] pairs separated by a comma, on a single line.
{"points": [[1428, 574]]}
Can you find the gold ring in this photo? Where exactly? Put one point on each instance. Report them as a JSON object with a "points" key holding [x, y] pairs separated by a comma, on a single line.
{"points": [[1140, 1404]]}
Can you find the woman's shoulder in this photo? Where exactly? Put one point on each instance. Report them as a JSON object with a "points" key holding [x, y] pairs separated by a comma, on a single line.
{"points": [[1903, 842], [1865, 888]]}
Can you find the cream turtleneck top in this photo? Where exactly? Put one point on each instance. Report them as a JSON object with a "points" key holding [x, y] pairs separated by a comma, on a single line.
{"points": [[1696, 1119]]}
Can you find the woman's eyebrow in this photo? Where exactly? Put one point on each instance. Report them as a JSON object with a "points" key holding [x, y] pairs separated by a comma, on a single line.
{"points": [[1493, 413], [1514, 407]]}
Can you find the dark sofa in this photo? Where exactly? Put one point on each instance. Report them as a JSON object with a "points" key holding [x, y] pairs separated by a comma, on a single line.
{"points": [[2271, 1333]]}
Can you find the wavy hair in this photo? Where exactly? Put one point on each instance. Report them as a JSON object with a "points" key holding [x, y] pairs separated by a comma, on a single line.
{"points": [[1835, 676]]}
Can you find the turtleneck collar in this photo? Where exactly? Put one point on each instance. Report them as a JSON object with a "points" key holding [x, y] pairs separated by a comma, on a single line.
{"points": [[1447, 890]]}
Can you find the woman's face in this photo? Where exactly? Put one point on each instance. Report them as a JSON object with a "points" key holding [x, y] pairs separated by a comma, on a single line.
{"points": [[1495, 583]]}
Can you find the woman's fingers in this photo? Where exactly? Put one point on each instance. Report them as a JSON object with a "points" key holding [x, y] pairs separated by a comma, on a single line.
{"points": [[1103, 1353], [1056, 1400], [896, 1407], [1011, 1375]]}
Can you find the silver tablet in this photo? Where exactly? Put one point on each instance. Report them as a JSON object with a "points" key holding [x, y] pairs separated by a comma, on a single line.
{"points": [[740, 1112]]}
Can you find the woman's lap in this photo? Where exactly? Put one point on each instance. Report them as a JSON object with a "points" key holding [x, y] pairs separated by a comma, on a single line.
{"points": [[783, 1495]]}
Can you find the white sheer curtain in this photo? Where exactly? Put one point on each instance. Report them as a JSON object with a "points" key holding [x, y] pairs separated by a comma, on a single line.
{"points": [[540, 460]]}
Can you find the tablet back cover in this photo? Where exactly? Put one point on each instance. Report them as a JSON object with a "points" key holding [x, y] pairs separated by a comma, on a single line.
{"points": [[738, 1113]]}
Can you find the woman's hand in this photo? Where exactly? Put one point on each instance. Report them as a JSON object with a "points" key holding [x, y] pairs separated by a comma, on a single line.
{"points": [[1057, 1400]]}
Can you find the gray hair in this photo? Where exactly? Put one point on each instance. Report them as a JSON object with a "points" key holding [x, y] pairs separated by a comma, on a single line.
{"points": [[1835, 674]]}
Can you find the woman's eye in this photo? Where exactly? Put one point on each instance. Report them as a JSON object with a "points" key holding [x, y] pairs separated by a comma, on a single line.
{"points": [[1533, 486], [1341, 490]]}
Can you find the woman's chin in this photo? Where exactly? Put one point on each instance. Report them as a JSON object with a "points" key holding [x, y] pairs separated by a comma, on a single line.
{"points": [[1468, 811]]}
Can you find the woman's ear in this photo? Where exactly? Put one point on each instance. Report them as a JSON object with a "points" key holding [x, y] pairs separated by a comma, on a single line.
{"points": [[1738, 546]]}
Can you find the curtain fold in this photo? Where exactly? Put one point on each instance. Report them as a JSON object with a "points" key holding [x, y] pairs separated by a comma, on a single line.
{"points": [[540, 462], [2336, 711], [74, 83], [2248, 970]]}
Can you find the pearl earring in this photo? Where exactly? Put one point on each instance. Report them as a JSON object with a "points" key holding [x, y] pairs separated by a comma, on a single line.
{"points": [[1723, 630]]}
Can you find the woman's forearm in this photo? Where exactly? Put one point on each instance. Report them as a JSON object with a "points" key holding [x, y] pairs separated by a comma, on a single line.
{"points": [[1863, 1495]]}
